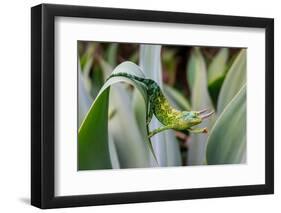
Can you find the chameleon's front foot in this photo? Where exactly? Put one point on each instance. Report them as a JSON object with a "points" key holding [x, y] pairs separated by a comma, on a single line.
{"points": [[199, 130]]}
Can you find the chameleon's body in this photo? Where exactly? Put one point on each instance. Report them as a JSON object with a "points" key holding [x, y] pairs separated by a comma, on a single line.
{"points": [[170, 117]]}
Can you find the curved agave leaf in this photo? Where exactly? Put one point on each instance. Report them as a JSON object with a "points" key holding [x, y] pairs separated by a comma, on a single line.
{"points": [[200, 99], [130, 143], [234, 80], [85, 100], [217, 67], [150, 63], [126, 142], [216, 73], [165, 144], [227, 140], [86, 62], [173, 150], [179, 102], [113, 153], [93, 150]]}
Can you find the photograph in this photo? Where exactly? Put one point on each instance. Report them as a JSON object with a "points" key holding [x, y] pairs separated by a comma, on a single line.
{"points": [[160, 105], [141, 105]]}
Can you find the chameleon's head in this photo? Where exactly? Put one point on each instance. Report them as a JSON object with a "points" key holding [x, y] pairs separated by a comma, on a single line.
{"points": [[195, 117]]}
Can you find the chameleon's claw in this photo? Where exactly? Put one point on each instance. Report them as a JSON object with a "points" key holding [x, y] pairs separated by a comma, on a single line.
{"points": [[199, 130]]}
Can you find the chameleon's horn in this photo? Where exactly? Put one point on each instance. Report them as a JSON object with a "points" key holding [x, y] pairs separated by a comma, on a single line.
{"points": [[202, 111], [207, 115]]}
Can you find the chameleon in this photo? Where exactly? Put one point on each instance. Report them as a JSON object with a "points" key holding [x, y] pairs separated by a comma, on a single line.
{"points": [[170, 117]]}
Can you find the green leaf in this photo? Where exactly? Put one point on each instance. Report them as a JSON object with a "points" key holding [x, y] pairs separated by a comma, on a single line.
{"points": [[86, 62], [130, 146], [93, 151], [140, 112], [85, 100], [200, 99], [150, 62], [93, 145], [165, 144], [216, 73], [86, 58], [169, 63], [227, 140], [193, 65], [96, 80], [217, 67], [234, 80], [173, 150], [113, 153], [106, 68], [111, 54]]}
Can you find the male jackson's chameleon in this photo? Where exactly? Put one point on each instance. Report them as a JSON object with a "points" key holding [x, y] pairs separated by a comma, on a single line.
{"points": [[170, 117]]}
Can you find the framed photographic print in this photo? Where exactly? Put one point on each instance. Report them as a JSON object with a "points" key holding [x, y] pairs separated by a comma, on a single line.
{"points": [[140, 106]]}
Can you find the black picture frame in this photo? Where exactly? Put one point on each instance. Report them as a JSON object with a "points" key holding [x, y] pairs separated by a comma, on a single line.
{"points": [[43, 102]]}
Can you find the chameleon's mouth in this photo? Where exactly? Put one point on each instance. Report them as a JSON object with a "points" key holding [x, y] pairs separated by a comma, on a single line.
{"points": [[204, 116]]}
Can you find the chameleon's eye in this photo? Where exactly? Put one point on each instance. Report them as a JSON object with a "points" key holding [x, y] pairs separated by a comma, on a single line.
{"points": [[194, 115]]}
